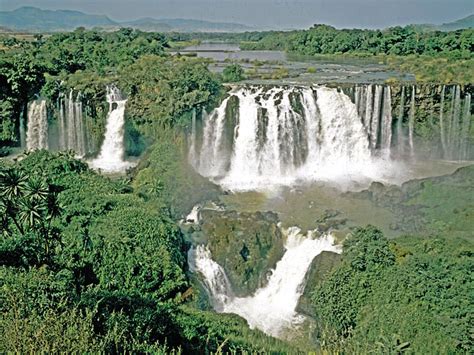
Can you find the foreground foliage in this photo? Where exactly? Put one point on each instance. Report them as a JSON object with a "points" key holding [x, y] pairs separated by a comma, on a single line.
{"points": [[407, 295], [114, 278]]}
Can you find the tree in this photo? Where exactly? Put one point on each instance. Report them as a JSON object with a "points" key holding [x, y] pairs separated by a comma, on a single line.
{"points": [[31, 204], [233, 73]]}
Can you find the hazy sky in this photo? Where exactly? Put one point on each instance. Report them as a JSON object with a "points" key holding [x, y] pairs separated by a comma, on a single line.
{"points": [[271, 13]]}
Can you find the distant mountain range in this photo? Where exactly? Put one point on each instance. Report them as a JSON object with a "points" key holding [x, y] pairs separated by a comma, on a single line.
{"points": [[466, 22], [32, 19]]}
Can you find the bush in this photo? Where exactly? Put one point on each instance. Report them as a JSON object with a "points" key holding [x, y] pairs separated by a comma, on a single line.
{"points": [[233, 73], [410, 294]]}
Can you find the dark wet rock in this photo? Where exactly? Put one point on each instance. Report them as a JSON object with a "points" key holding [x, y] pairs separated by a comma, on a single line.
{"points": [[246, 245], [328, 214], [321, 267], [328, 221]]}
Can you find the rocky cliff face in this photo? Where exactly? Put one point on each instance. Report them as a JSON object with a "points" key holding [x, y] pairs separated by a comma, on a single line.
{"points": [[427, 120], [246, 245]]}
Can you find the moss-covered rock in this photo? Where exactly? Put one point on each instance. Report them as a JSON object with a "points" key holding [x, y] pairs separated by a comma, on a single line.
{"points": [[434, 205], [165, 175], [246, 245], [321, 266]]}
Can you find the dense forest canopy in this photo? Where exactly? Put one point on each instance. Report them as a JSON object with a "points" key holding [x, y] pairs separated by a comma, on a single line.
{"points": [[324, 39]]}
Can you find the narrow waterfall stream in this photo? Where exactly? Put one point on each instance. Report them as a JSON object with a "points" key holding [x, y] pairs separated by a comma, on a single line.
{"points": [[37, 130], [112, 152], [272, 308], [71, 125]]}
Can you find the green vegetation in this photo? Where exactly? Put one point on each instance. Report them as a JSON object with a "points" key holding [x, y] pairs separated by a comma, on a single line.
{"points": [[87, 264], [246, 245], [79, 272], [432, 56], [162, 90], [419, 210], [46, 65], [165, 176], [429, 69], [323, 39], [233, 73], [92, 264], [409, 295]]}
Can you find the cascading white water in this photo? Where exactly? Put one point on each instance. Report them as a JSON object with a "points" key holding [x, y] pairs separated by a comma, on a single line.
{"points": [[453, 128], [111, 156], [272, 308], [192, 155], [285, 134], [71, 127], [411, 121], [441, 122], [375, 120], [454, 124], [209, 159], [37, 126], [466, 121], [374, 106], [400, 136], [386, 124], [22, 125]]}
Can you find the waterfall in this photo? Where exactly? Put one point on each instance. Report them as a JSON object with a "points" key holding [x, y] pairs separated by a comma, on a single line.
{"points": [[209, 161], [192, 144], [386, 125], [79, 127], [466, 121], [71, 127], [369, 104], [62, 125], [262, 136], [214, 277], [112, 152], [71, 118], [22, 125], [272, 308], [453, 127], [374, 123], [400, 137], [441, 122], [454, 124], [455, 132], [411, 122], [374, 106], [37, 130]]}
